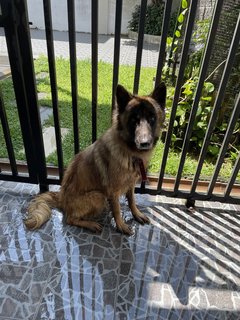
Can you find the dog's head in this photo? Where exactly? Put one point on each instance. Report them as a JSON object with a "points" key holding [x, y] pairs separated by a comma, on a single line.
{"points": [[139, 119]]}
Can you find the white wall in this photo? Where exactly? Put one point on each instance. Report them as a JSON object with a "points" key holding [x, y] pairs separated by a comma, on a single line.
{"points": [[128, 7], [83, 14], [35, 13]]}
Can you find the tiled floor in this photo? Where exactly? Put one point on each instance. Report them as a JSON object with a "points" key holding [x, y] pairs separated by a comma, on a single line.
{"points": [[181, 266]]}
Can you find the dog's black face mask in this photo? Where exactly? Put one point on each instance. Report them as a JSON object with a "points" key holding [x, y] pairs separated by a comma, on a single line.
{"points": [[141, 125], [140, 118]]}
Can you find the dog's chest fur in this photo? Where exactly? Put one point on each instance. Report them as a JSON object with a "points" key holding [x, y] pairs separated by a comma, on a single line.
{"points": [[116, 164], [107, 165]]}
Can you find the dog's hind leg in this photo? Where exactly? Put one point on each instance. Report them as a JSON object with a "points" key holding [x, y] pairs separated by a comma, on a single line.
{"points": [[138, 215], [85, 208]]}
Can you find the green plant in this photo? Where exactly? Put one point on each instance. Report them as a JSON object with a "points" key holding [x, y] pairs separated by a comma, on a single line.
{"points": [[174, 42], [202, 116], [201, 122], [198, 44], [154, 19]]}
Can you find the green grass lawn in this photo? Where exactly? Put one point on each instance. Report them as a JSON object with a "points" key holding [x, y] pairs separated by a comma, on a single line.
{"points": [[126, 78]]}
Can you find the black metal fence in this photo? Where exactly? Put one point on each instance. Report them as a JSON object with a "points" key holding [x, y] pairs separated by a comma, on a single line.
{"points": [[14, 20]]}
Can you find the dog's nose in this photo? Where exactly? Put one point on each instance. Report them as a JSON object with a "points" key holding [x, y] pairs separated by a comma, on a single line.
{"points": [[145, 142], [145, 145]]}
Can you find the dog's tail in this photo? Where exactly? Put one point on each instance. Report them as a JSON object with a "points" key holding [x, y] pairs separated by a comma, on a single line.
{"points": [[39, 210]]}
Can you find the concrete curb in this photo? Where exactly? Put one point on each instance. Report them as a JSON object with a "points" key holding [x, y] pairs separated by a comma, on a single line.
{"points": [[147, 37]]}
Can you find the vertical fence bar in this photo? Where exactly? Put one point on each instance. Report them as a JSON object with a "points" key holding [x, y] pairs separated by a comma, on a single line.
{"points": [[164, 33], [1, 17], [141, 27], [139, 45], [94, 67], [173, 38], [184, 57], [232, 178], [31, 92], [202, 76], [20, 89], [116, 54], [7, 136], [224, 147], [53, 81], [73, 68], [218, 101]]}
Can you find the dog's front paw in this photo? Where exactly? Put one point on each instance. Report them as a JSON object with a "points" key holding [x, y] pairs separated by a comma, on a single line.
{"points": [[124, 228], [141, 218], [95, 227]]}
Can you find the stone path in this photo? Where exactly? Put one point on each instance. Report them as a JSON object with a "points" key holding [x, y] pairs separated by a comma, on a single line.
{"points": [[128, 47]]}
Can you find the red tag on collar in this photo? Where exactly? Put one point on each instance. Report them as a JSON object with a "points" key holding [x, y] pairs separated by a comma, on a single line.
{"points": [[142, 170]]}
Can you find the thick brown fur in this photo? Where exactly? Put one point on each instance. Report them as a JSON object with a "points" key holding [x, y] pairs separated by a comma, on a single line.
{"points": [[108, 168]]}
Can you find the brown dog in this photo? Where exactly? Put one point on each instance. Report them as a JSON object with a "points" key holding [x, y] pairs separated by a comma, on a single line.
{"points": [[109, 167]]}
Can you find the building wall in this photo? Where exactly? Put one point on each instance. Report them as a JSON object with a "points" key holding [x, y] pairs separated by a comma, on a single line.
{"points": [[205, 9], [128, 7], [83, 14]]}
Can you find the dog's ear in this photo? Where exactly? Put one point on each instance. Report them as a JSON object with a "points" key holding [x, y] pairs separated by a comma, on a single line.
{"points": [[123, 97], [159, 94]]}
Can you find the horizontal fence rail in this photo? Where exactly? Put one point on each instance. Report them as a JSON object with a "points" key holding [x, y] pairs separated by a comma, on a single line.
{"points": [[14, 21]]}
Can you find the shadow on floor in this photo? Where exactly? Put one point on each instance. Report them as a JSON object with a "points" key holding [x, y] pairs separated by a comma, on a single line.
{"points": [[181, 266]]}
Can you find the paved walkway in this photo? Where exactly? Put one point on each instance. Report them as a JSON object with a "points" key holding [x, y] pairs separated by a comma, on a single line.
{"points": [[4, 67], [105, 47]]}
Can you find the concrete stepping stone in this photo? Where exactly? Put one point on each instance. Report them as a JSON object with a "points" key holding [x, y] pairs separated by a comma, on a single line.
{"points": [[49, 139], [45, 113]]}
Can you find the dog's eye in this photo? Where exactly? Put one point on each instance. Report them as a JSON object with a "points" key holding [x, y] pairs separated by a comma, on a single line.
{"points": [[134, 121], [152, 119]]}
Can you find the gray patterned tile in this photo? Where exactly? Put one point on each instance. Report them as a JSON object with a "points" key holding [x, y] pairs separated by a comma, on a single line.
{"points": [[192, 268], [23, 276], [48, 239], [82, 242], [181, 266], [80, 288]]}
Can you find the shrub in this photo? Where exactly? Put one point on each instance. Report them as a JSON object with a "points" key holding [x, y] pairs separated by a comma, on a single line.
{"points": [[202, 117], [199, 40], [154, 19], [201, 121]]}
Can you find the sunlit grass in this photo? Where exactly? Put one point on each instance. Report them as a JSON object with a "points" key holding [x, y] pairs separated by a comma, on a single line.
{"points": [[105, 71]]}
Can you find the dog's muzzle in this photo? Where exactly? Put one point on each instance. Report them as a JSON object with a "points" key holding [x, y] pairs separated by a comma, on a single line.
{"points": [[143, 136]]}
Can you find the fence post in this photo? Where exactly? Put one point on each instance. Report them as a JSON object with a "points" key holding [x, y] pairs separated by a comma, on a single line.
{"points": [[21, 61]]}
